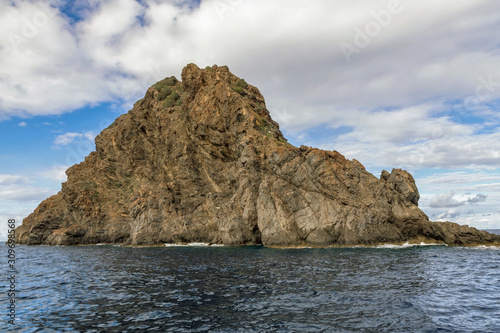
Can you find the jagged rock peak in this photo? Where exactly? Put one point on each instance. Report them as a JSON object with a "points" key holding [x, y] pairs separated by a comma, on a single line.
{"points": [[403, 182], [201, 160]]}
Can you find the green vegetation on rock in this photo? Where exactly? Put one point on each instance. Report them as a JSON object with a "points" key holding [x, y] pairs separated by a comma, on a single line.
{"points": [[239, 90], [242, 84], [240, 87], [164, 92], [168, 91], [167, 82], [171, 100]]}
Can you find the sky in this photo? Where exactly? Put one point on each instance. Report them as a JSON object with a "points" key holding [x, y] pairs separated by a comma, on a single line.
{"points": [[395, 84]]}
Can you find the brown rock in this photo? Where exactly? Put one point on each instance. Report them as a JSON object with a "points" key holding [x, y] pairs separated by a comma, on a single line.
{"points": [[403, 182], [202, 161]]}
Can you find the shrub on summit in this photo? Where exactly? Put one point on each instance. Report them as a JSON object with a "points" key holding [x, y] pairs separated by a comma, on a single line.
{"points": [[242, 84], [168, 82]]}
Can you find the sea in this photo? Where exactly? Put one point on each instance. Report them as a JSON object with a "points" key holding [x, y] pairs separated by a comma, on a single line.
{"points": [[200, 288]]}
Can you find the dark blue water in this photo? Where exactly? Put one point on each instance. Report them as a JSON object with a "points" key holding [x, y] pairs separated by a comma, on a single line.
{"points": [[256, 289]]}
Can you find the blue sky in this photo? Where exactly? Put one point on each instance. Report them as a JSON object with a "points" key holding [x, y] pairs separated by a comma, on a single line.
{"points": [[371, 79]]}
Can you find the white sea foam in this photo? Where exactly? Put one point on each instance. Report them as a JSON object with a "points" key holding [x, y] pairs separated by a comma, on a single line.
{"points": [[198, 244], [485, 247], [406, 245], [194, 244], [293, 247]]}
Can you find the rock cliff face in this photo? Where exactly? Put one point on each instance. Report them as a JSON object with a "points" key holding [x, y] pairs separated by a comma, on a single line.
{"points": [[202, 161]]}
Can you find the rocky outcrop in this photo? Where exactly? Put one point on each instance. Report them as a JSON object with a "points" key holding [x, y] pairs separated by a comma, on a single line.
{"points": [[202, 161], [402, 182]]}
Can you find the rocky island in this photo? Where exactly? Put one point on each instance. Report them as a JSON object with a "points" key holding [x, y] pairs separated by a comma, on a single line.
{"points": [[201, 160]]}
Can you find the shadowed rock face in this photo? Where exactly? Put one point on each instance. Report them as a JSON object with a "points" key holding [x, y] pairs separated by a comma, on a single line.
{"points": [[202, 161]]}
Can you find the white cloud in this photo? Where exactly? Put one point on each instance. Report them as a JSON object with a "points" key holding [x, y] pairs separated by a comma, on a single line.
{"points": [[45, 70], [450, 214], [121, 46], [14, 210], [470, 195], [22, 124], [4, 217], [450, 151], [478, 220], [478, 198], [12, 179], [415, 142], [468, 180], [112, 19], [461, 177], [70, 137], [445, 200], [67, 138], [18, 198], [24, 193], [57, 172]]}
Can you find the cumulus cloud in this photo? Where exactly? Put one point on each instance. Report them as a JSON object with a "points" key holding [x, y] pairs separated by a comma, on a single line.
{"points": [[445, 200], [463, 178], [57, 172], [412, 138], [24, 193], [22, 124], [405, 107], [451, 214], [478, 198], [12, 179], [449, 151], [42, 72], [115, 48], [7, 215], [70, 137]]}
